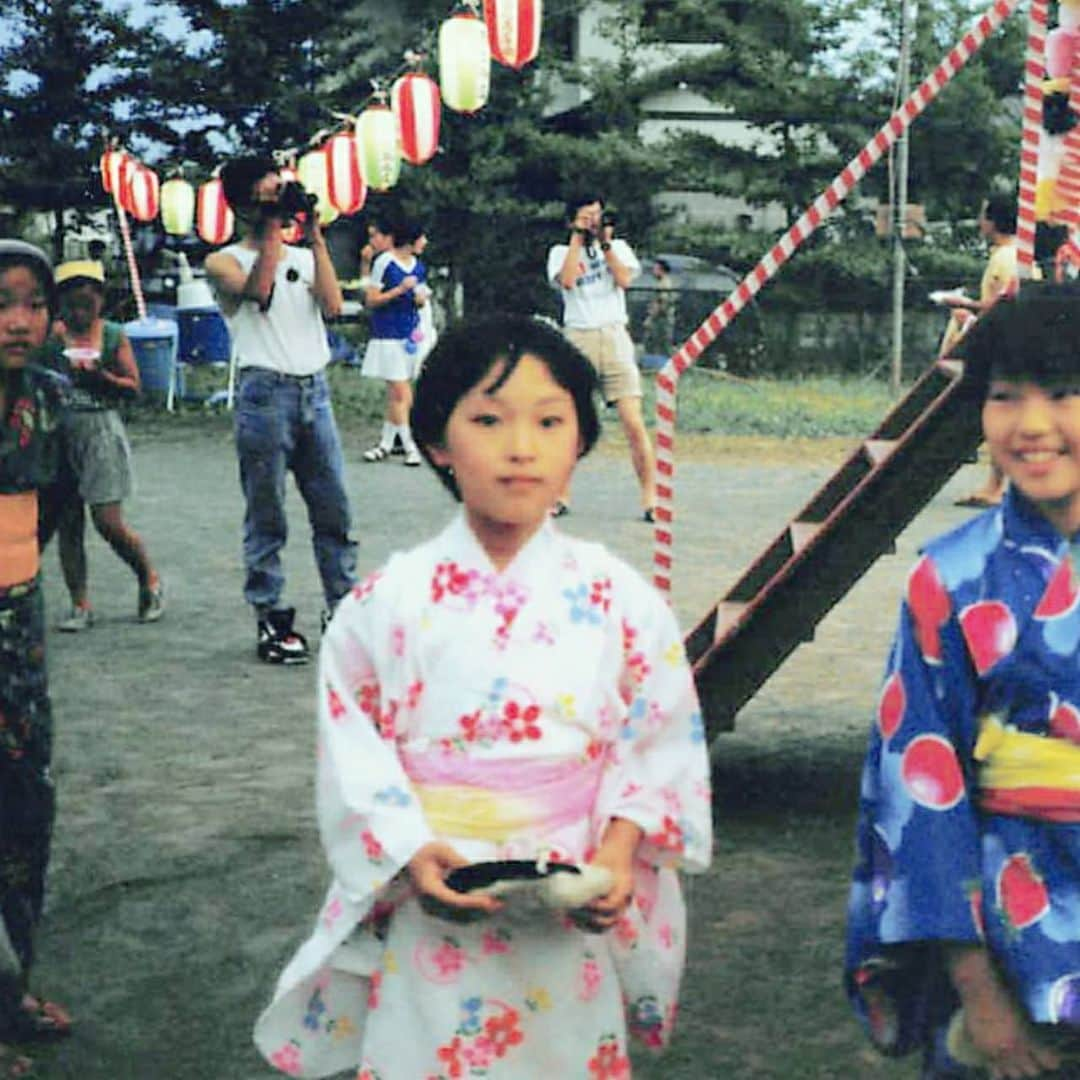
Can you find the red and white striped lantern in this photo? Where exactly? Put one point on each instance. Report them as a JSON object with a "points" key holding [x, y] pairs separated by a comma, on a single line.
{"points": [[116, 167], [214, 219], [143, 193], [345, 183], [115, 164], [513, 28], [377, 147], [177, 206], [464, 63], [418, 107]]}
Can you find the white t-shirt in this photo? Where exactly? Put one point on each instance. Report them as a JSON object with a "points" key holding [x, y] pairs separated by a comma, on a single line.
{"points": [[595, 300], [290, 336]]}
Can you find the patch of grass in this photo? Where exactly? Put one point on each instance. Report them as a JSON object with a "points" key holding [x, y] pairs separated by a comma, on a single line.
{"points": [[816, 407], [708, 403]]}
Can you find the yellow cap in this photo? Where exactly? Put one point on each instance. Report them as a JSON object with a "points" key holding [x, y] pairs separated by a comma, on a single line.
{"points": [[89, 269]]}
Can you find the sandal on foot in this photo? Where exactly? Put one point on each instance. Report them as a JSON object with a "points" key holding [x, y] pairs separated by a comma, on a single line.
{"points": [[13, 1065], [376, 453], [413, 458], [37, 1020]]}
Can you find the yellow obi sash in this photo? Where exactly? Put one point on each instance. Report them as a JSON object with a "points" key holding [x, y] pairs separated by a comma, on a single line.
{"points": [[19, 557], [1027, 775]]}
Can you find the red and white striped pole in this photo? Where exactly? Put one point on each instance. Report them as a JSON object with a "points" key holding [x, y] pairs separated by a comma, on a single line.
{"points": [[1030, 133], [667, 378], [129, 254]]}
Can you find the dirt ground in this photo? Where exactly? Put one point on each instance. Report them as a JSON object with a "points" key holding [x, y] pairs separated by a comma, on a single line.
{"points": [[186, 866]]}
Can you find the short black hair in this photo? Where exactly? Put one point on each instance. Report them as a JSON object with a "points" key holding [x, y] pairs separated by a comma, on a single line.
{"points": [[402, 228], [466, 352], [576, 202], [1034, 336], [240, 175], [20, 253], [1000, 211], [663, 264]]}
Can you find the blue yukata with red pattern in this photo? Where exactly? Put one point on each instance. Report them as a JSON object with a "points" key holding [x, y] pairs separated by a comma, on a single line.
{"points": [[989, 626]]}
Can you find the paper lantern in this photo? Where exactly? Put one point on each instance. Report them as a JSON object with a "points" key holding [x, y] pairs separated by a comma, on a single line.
{"points": [[1060, 49], [344, 181], [377, 147], [116, 167], [311, 170], [214, 219], [464, 63], [513, 28], [415, 101], [143, 193], [177, 206]]}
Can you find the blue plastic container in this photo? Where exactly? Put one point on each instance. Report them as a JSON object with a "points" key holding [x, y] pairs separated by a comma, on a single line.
{"points": [[153, 341], [204, 336]]}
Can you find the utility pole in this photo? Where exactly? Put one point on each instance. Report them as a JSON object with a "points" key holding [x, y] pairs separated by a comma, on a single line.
{"points": [[899, 207]]}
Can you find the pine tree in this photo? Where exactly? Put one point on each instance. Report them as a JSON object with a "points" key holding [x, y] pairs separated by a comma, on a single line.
{"points": [[71, 72]]}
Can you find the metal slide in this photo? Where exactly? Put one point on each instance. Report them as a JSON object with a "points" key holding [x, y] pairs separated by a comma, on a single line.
{"points": [[851, 521]]}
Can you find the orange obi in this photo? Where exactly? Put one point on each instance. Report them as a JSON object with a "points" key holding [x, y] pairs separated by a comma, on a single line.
{"points": [[19, 556]]}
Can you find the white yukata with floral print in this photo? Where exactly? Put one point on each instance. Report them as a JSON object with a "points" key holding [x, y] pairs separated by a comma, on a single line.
{"points": [[513, 715]]}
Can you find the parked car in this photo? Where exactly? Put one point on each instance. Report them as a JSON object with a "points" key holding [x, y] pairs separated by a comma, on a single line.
{"points": [[699, 287]]}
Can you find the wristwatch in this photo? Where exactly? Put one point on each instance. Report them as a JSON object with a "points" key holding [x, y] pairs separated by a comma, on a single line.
{"points": [[605, 245]]}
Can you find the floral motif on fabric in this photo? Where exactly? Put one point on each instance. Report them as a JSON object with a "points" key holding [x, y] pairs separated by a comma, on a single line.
{"points": [[509, 715], [466, 589], [488, 1031], [609, 1062]]}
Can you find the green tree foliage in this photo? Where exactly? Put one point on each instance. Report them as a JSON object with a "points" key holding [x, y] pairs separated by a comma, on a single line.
{"points": [[766, 65], [70, 72], [492, 198], [249, 78]]}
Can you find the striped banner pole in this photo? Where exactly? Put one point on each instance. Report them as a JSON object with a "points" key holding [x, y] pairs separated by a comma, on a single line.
{"points": [[129, 254], [1030, 133], [667, 378]]}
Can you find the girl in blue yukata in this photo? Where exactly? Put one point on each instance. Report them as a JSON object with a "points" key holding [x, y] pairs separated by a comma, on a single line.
{"points": [[500, 701], [964, 920]]}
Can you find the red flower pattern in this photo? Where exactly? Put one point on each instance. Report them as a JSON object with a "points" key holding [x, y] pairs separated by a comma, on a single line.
{"points": [[609, 1063], [504, 1031], [520, 723]]}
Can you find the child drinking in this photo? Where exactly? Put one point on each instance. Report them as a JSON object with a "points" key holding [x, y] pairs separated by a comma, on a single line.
{"points": [[29, 419], [499, 692], [396, 291], [97, 357], [964, 921]]}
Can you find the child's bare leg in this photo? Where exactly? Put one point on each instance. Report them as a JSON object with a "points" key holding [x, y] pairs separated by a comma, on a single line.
{"points": [[110, 524], [71, 535]]}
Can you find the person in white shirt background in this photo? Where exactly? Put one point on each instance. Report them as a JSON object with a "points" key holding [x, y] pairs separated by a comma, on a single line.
{"points": [[592, 270]]}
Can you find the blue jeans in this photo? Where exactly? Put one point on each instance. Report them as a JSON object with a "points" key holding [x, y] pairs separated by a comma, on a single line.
{"points": [[285, 422]]}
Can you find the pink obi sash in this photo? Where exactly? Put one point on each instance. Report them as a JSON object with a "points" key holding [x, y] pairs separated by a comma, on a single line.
{"points": [[500, 798]]}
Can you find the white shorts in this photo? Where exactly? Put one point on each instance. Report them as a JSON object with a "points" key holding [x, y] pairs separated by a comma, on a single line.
{"points": [[393, 359]]}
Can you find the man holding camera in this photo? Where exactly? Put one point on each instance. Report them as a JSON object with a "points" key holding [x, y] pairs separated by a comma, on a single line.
{"points": [[274, 297], [593, 270]]}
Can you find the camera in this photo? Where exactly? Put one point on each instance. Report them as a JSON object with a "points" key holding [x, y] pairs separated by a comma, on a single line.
{"points": [[607, 220], [293, 199]]}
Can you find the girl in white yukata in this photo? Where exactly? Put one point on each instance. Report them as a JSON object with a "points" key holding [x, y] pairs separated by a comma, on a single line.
{"points": [[501, 692]]}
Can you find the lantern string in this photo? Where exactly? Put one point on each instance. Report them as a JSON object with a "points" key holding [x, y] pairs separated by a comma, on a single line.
{"points": [[414, 60]]}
